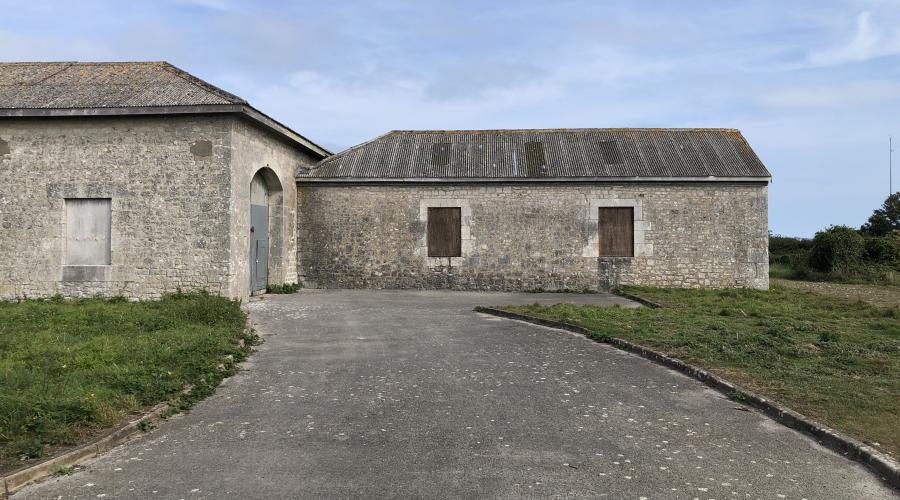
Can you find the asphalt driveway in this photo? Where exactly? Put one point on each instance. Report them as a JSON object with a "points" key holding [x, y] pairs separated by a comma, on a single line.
{"points": [[406, 394]]}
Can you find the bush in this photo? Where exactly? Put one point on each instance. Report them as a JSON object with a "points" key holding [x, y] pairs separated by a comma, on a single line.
{"points": [[789, 251], [838, 249], [884, 250]]}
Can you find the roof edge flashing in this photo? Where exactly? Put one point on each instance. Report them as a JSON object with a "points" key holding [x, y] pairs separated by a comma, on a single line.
{"points": [[492, 180]]}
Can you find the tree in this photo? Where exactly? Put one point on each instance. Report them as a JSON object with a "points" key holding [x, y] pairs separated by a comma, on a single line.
{"points": [[884, 219]]}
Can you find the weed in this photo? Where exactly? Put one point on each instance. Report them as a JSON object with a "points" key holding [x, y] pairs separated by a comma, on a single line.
{"points": [[64, 471], [737, 396], [146, 425], [284, 288]]}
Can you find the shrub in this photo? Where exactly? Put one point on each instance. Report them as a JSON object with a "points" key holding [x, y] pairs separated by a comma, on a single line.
{"points": [[884, 250], [837, 249], [789, 251]]}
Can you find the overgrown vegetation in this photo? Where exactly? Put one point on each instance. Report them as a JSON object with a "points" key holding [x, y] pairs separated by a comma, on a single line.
{"points": [[71, 368], [870, 254], [837, 361], [839, 254], [284, 288]]}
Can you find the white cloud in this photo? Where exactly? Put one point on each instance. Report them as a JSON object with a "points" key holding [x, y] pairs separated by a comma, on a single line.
{"points": [[220, 5], [824, 96], [588, 87], [870, 40], [21, 47]]}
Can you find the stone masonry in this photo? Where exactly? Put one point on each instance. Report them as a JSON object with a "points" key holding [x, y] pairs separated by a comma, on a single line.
{"points": [[179, 201], [520, 236]]}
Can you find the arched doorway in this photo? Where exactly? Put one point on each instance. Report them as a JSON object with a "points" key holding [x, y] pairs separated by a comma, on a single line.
{"points": [[259, 234]]}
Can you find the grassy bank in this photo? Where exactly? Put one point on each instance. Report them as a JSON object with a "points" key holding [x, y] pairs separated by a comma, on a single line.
{"points": [[835, 360], [69, 369]]}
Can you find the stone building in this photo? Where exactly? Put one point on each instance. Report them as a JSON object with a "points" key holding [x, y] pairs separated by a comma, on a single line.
{"points": [[135, 179], [138, 179], [526, 209]]}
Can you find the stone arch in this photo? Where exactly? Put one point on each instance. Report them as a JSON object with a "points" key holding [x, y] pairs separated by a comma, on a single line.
{"points": [[266, 191]]}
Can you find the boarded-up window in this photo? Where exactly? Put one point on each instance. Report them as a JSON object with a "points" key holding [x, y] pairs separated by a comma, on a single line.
{"points": [[444, 232], [87, 231], [616, 231]]}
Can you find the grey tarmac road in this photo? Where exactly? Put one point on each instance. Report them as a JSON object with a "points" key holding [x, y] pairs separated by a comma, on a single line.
{"points": [[410, 394]]}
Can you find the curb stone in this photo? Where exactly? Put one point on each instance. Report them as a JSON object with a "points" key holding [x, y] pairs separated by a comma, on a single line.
{"points": [[17, 480], [638, 299], [885, 467]]}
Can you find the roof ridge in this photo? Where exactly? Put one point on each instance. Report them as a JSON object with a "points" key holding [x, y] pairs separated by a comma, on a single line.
{"points": [[73, 63], [184, 75], [574, 129]]}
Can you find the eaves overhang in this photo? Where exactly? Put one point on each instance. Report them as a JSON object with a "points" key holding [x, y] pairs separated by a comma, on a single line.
{"points": [[302, 179]]}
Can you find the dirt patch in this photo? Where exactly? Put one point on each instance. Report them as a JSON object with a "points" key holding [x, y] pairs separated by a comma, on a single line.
{"points": [[888, 296]]}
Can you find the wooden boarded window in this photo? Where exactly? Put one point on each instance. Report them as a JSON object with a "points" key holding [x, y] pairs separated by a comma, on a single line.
{"points": [[87, 231], [616, 231], [444, 232]]}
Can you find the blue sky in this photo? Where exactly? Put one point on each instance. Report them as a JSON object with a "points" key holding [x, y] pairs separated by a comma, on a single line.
{"points": [[814, 85]]}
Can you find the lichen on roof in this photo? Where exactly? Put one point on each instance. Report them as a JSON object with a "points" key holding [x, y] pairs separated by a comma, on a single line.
{"points": [[72, 85], [568, 153]]}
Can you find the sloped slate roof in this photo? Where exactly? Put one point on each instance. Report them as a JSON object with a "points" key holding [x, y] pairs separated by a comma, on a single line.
{"points": [[66, 85], [567, 153], [122, 88]]}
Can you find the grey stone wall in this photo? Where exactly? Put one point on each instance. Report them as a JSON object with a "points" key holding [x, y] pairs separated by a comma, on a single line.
{"points": [[179, 190], [524, 236], [255, 150]]}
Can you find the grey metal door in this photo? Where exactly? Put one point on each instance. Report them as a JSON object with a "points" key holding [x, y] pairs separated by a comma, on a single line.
{"points": [[259, 247]]}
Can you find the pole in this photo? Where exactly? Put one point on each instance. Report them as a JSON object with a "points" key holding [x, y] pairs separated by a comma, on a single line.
{"points": [[890, 165]]}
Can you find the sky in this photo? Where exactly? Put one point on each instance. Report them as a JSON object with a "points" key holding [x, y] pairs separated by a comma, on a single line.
{"points": [[813, 85]]}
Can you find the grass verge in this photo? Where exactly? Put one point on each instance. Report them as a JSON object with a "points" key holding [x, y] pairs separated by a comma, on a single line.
{"points": [[69, 369], [835, 360]]}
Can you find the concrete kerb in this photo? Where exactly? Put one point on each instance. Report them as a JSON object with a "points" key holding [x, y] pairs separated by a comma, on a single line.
{"points": [[880, 464], [17, 480], [637, 298]]}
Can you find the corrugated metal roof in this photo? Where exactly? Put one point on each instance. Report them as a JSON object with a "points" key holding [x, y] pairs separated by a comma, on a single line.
{"points": [[69, 85], [569, 153]]}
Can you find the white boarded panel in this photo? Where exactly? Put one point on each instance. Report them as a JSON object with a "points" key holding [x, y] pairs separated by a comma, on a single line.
{"points": [[87, 231]]}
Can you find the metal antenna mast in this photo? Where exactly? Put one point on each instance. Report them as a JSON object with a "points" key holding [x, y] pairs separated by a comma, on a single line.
{"points": [[891, 164]]}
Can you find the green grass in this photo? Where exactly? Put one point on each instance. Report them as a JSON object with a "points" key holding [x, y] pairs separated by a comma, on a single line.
{"points": [[69, 369], [835, 360]]}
